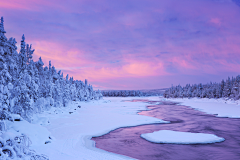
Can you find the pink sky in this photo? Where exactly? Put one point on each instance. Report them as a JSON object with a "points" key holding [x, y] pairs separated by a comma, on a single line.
{"points": [[131, 44]]}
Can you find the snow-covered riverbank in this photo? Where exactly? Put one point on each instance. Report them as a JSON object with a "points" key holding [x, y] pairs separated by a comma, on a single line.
{"points": [[71, 128], [65, 133], [218, 107]]}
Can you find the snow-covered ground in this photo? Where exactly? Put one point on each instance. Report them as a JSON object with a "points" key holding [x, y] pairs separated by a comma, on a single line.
{"points": [[218, 107], [168, 136], [67, 131]]}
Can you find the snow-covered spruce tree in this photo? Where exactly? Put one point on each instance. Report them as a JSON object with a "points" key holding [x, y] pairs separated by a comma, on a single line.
{"points": [[14, 98], [38, 88], [35, 87], [225, 89], [28, 87]]}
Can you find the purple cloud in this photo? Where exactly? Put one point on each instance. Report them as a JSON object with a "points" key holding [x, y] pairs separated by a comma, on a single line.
{"points": [[130, 44]]}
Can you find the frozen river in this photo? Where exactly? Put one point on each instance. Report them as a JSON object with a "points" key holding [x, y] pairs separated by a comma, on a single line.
{"points": [[127, 141]]}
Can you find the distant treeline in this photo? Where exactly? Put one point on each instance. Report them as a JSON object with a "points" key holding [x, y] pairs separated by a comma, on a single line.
{"points": [[226, 89], [125, 93]]}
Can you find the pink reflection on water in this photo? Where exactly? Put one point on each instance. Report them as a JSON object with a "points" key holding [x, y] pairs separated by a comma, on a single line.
{"points": [[127, 141]]}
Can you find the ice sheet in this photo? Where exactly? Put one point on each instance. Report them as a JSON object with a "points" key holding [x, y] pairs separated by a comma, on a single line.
{"points": [[168, 136]]}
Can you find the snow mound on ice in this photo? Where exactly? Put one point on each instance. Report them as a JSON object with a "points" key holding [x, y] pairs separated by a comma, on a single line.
{"points": [[168, 136]]}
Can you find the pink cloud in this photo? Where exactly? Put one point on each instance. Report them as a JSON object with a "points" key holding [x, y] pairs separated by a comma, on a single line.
{"points": [[215, 21], [124, 42]]}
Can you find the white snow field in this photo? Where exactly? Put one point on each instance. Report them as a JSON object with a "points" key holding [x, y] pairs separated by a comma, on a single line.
{"points": [[218, 107], [67, 131], [176, 137]]}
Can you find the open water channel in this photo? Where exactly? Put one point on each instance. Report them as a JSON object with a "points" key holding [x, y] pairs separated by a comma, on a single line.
{"points": [[127, 141]]}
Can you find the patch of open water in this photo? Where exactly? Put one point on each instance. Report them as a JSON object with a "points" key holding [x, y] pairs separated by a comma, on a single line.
{"points": [[127, 141]]}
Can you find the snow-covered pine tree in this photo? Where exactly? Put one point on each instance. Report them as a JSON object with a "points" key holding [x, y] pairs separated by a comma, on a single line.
{"points": [[228, 89], [3, 38], [28, 87], [235, 88]]}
